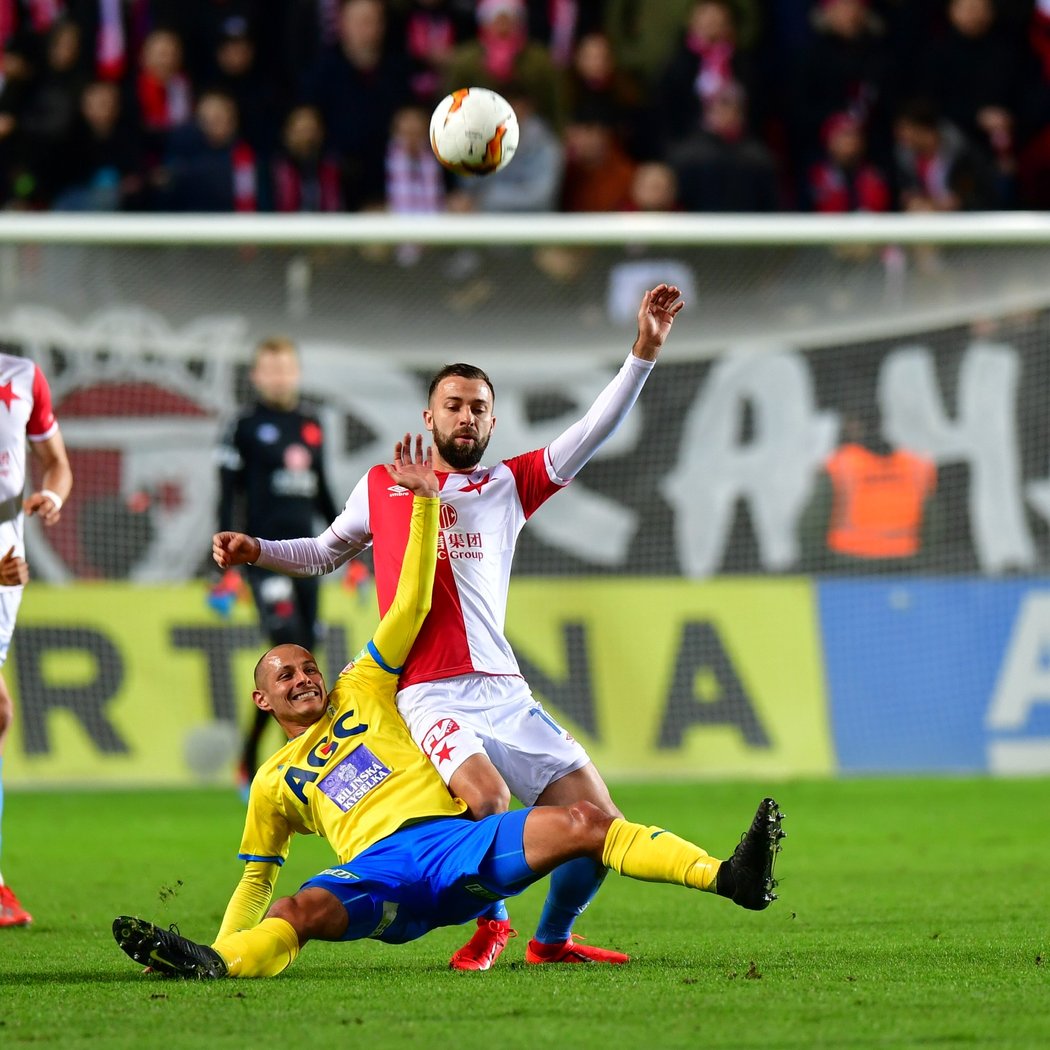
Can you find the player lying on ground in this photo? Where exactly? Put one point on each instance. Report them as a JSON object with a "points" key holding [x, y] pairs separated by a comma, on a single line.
{"points": [[444, 872], [462, 693], [409, 858]]}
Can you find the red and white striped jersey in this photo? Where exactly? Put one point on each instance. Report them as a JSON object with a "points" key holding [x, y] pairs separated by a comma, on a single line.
{"points": [[25, 411], [481, 516]]}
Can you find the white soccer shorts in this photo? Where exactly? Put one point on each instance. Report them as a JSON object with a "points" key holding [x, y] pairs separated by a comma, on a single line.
{"points": [[497, 715], [10, 599]]}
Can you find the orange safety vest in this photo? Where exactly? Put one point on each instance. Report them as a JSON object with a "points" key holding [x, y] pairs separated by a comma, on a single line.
{"points": [[878, 501]]}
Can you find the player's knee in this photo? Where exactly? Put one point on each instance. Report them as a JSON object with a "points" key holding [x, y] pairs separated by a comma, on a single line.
{"points": [[293, 913], [7, 713], [589, 824], [588, 815]]}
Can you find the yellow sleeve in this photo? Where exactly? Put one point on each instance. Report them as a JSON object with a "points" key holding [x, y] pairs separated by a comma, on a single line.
{"points": [[267, 834], [415, 587], [250, 899]]}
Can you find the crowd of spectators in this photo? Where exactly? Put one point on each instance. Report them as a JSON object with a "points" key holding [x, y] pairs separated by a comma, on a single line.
{"points": [[691, 105]]}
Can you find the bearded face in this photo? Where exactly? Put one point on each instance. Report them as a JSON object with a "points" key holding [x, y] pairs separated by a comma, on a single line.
{"points": [[460, 421], [461, 449]]}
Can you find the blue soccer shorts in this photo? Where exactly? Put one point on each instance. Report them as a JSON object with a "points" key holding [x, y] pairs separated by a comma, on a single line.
{"points": [[441, 872]]}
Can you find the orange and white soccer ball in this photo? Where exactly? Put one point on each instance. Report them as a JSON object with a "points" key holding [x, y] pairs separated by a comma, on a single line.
{"points": [[474, 131]]}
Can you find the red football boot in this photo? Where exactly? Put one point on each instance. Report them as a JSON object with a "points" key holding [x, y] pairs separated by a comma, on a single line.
{"points": [[485, 947], [11, 911], [571, 952]]}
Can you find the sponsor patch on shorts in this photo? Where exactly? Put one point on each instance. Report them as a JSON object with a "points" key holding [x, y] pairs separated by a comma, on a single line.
{"points": [[477, 890], [353, 778], [437, 732]]}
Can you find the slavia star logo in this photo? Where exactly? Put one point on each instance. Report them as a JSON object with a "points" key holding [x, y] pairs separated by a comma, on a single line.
{"points": [[437, 732], [477, 486], [7, 395]]}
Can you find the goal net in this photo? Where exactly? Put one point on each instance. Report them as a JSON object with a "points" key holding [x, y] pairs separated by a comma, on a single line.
{"points": [[717, 594]]}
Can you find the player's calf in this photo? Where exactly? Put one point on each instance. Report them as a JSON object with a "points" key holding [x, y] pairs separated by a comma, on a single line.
{"points": [[655, 854]]}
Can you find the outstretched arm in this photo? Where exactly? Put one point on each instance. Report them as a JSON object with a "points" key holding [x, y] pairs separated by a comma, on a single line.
{"points": [[309, 556], [568, 452], [398, 628], [345, 538]]}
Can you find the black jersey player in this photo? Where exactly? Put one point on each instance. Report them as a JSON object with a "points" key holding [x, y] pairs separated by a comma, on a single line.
{"points": [[272, 481]]}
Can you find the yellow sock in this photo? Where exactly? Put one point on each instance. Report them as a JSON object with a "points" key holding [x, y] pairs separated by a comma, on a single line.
{"points": [[655, 855], [263, 951]]}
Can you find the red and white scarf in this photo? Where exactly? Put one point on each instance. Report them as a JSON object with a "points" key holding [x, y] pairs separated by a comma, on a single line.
{"points": [[429, 33], [415, 184], [164, 105], [245, 186], [430, 36], [716, 66], [563, 15], [932, 173], [297, 189], [111, 57], [502, 51]]}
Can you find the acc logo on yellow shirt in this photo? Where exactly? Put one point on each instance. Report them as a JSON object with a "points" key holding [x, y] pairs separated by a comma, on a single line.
{"points": [[321, 754]]}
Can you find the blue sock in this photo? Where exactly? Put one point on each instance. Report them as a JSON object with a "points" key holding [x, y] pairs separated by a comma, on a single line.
{"points": [[497, 911], [572, 888]]}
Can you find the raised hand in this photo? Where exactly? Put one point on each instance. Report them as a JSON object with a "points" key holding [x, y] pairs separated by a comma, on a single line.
{"points": [[234, 548], [415, 473], [13, 570], [659, 308]]}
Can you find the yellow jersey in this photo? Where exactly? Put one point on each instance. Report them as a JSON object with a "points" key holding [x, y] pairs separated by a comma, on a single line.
{"points": [[356, 775]]}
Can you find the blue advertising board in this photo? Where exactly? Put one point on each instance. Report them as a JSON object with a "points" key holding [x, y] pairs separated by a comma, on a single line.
{"points": [[938, 675]]}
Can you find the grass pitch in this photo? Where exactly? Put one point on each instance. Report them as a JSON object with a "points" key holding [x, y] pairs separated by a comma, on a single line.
{"points": [[912, 913]]}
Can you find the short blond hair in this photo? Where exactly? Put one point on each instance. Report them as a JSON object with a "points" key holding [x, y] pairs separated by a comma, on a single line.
{"points": [[274, 344]]}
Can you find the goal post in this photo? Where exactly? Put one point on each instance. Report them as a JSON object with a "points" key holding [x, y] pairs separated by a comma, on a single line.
{"points": [[681, 606]]}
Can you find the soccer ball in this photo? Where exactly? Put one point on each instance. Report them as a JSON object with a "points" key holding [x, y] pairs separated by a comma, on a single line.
{"points": [[474, 131]]}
